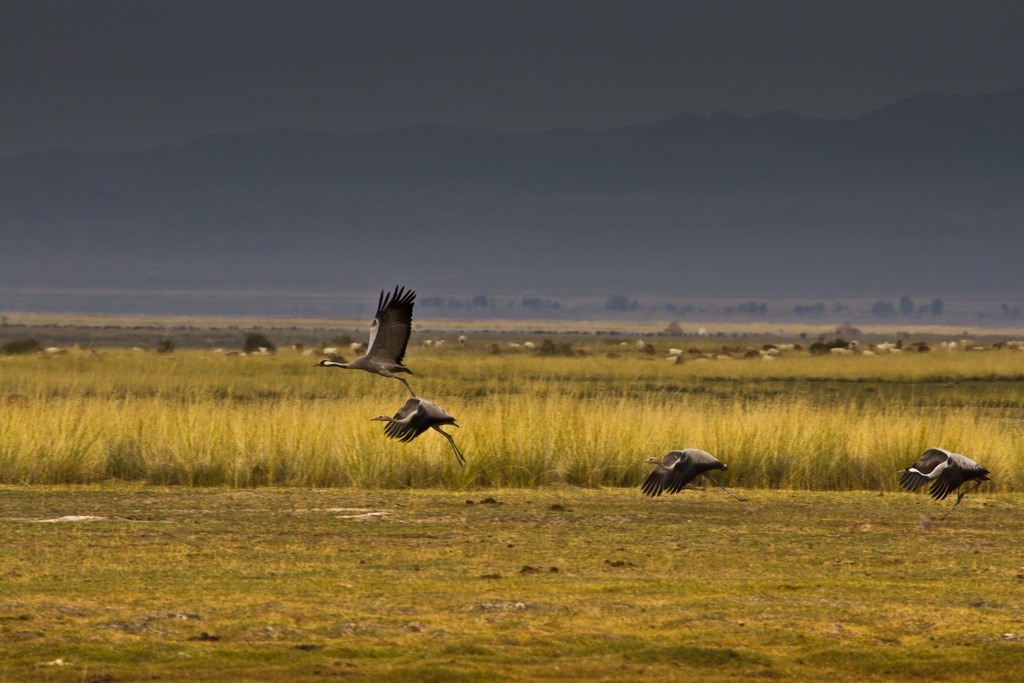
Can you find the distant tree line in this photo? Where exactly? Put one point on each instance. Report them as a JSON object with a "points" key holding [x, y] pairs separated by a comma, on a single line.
{"points": [[750, 307], [621, 303], [885, 309], [533, 303], [809, 309], [478, 301], [539, 304]]}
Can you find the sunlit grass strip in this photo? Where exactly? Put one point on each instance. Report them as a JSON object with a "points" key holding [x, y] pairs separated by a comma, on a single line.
{"points": [[509, 440], [454, 372]]}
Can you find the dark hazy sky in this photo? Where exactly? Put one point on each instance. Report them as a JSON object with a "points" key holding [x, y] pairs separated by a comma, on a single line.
{"points": [[134, 74]]}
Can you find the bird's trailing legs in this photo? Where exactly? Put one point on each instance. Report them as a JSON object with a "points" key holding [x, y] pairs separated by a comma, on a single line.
{"points": [[458, 453], [400, 379], [959, 496], [705, 474]]}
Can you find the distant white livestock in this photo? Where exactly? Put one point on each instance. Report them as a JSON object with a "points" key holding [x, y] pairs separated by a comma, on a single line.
{"points": [[330, 351], [514, 346], [428, 342], [529, 346], [785, 347], [675, 352], [767, 357], [357, 347], [841, 352], [462, 340], [640, 344], [867, 352]]}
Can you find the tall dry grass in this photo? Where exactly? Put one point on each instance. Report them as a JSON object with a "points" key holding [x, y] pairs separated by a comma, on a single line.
{"points": [[202, 419]]}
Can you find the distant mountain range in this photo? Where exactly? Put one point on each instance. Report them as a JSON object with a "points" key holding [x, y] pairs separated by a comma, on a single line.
{"points": [[924, 197]]}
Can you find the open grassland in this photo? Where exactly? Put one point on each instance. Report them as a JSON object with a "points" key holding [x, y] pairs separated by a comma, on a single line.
{"points": [[284, 584], [799, 422], [240, 518]]}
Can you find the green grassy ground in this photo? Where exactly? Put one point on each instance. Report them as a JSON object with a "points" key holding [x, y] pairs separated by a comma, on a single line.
{"points": [[305, 585]]}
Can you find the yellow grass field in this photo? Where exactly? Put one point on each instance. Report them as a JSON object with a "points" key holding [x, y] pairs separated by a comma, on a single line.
{"points": [[800, 422]]}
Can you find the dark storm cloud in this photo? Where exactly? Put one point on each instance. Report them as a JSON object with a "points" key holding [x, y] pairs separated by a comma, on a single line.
{"points": [[118, 75]]}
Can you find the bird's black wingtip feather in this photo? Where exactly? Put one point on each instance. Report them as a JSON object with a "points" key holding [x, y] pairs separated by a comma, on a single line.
{"points": [[399, 297], [655, 484]]}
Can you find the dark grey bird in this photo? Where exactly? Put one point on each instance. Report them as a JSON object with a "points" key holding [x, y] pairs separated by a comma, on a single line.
{"points": [[389, 335], [946, 471], [417, 416], [679, 468]]}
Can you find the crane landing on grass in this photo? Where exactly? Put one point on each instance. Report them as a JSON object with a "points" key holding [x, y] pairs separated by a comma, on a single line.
{"points": [[389, 335], [679, 468], [417, 416], [947, 472]]}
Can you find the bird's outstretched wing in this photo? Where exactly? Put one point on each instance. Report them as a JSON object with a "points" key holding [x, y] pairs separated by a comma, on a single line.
{"points": [[932, 458], [654, 484], [948, 481], [962, 469], [392, 325], [659, 478], [682, 474], [407, 430], [696, 462]]}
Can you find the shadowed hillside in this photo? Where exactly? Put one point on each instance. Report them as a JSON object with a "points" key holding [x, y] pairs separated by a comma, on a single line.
{"points": [[925, 196]]}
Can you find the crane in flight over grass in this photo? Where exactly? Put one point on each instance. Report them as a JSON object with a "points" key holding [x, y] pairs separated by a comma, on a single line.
{"points": [[947, 472], [679, 468], [389, 335], [417, 416]]}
